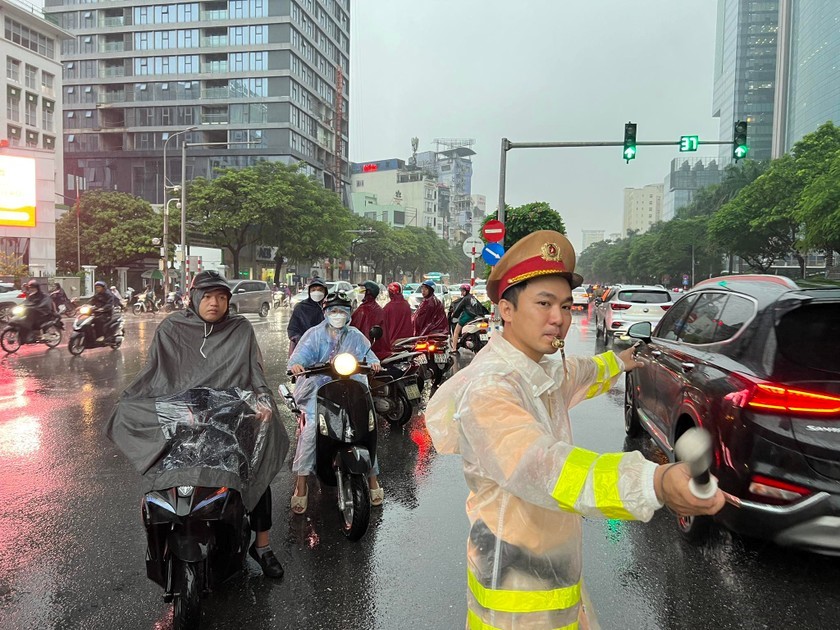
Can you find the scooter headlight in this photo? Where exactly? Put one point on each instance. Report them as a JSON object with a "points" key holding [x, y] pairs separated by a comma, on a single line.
{"points": [[86, 309], [185, 491], [20, 309], [345, 364]]}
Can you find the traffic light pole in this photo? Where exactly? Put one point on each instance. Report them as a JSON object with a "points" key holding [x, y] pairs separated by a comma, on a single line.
{"points": [[507, 145]]}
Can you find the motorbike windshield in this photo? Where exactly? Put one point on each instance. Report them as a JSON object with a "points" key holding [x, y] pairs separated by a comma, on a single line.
{"points": [[212, 429]]}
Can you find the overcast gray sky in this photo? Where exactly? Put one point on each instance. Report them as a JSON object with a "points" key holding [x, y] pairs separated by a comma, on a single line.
{"points": [[533, 70]]}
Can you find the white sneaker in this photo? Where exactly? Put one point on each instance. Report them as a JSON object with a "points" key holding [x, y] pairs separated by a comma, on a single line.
{"points": [[98, 339]]}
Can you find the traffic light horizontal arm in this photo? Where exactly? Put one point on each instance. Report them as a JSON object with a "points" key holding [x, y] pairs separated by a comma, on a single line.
{"points": [[570, 145]]}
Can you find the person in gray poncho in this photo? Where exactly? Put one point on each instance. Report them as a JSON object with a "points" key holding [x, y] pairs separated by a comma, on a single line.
{"points": [[204, 347]]}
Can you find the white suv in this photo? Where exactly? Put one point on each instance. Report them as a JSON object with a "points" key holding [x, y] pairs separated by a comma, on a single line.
{"points": [[624, 305]]}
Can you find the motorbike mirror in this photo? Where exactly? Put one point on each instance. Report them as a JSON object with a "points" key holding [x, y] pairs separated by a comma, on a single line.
{"points": [[375, 333], [640, 330]]}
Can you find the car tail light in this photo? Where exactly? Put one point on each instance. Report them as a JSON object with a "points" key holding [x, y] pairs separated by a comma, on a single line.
{"points": [[776, 490], [665, 307], [22, 294], [616, 306], [764, 397], [432, 347]]}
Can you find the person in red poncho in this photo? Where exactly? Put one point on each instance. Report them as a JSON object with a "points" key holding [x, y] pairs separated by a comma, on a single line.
{"points": [[430, 316], [370, 314], [398, 314]]}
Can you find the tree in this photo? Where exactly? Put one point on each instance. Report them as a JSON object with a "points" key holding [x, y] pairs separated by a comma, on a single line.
{"points": [[12, 265], [819, 209], [530, 217], [116, 230]]}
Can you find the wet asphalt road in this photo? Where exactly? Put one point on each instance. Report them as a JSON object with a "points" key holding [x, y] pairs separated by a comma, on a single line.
{"points": [[72, 545]]}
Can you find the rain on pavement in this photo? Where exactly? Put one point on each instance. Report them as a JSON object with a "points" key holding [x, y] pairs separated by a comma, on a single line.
{"points": [[72, 545]]}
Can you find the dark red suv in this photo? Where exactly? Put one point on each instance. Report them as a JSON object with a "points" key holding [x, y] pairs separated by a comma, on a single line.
{"points": [[756, 361]]}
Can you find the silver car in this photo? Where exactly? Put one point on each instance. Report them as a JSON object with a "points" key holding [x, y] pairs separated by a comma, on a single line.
{"points": [[9, 298], [250, 296]]}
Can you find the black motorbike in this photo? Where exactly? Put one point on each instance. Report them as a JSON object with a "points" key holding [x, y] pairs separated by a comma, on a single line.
{"points": [[396, 390], [345, 447], [84, 331], [16, 334], [198, 536], [435, 347]]}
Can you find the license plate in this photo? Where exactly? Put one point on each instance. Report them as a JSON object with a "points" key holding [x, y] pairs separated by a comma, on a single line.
{"points": [[421, 359], [440, 358], [412, 391], [483, 336]]}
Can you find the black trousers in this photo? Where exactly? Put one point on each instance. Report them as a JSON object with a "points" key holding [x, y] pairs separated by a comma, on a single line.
{"points": [[261, 514]]}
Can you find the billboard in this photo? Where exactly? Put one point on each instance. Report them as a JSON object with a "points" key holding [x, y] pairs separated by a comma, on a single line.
{"points": [[17, 191]]}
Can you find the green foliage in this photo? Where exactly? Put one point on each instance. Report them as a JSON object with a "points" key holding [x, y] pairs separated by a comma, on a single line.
{"points": [[116, 230], [12, 266], [530, 217]]}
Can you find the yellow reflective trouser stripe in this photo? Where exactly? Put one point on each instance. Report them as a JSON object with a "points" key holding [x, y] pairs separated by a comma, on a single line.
{"points": [[607, 369], [523, 601], [475, 623], [607, 497], [572, 478]]}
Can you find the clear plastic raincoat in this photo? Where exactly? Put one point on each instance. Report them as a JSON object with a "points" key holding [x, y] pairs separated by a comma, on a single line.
{"points": [[508, 417], [320, 344]]}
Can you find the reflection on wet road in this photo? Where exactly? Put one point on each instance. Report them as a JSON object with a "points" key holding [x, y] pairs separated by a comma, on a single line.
{"points": [[72, 544]]}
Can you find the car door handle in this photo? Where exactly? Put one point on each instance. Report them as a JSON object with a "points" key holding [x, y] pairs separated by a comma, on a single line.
{"points": [[687, 367], [656, 353]]}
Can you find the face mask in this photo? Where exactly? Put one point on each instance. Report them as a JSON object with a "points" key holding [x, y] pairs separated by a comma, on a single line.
{"points": [[337, 320], [317, 295]]}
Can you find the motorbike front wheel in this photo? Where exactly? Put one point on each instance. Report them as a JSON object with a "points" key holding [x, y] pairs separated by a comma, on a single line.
{"points": [[76, 345], [354, 505], [186, 603], [52, 336], [10, 340], [400, 411], [137, 309]]}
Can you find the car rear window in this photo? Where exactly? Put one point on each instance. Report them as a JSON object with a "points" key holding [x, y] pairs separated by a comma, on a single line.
{"points": [[808, 336], [644, 296]]}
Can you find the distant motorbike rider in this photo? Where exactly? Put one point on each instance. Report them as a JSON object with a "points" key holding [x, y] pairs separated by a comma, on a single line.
{"points": [[103, 308], [307, 313], [370, 314], [205, 346], [39, 310], [149, 298], [59, 297], [397, 314], [430, 316], [320, 344], [467, 309], [118, 302]]}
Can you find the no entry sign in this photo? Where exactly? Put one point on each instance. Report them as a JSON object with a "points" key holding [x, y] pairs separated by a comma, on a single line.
{"points": [[493, 231]]}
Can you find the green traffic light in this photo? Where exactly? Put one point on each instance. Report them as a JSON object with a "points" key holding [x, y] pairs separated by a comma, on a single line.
{"points": [[630, 153], [741, 151]]}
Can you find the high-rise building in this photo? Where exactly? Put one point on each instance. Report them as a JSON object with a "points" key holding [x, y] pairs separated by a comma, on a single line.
{"points": [[685, 178], [452, 164], [30, 160], [809, 81], [590, 237], [745, 73], [388, 190], [642, 208], [256, 79]]}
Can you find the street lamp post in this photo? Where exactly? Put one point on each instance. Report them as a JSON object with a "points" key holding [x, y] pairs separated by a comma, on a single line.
{"points": [[184, 197], [166, 212]]}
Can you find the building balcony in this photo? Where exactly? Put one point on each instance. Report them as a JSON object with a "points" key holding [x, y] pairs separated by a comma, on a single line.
{"points": [[215, 67], [110, 22], [111, 73], [111, 97], [221, 14], [109, 47], [221, 118], [215, 41]]}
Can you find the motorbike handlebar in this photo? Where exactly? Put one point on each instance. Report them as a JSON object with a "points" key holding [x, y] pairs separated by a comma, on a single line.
{"points": [[325, 367], [695, 449]]}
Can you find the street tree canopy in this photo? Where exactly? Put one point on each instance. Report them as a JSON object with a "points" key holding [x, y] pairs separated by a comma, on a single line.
{"points": [[116, 229]]}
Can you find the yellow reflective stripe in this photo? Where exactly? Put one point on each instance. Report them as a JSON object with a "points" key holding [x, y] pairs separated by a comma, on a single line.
{"points": [[572, 478], [474, 622], [602, 368], [605, 482], [523, 601], [612, 364]]}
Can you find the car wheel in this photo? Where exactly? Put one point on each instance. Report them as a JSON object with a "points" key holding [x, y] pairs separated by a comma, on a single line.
{"points": [[607, 335], [694, 529], [264, 309], [632, 426]]}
